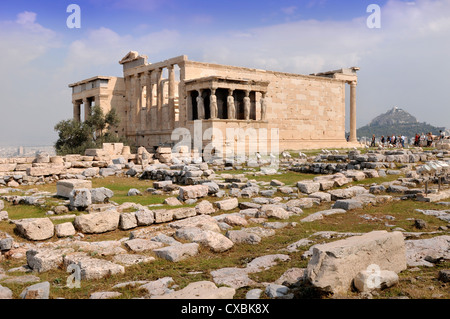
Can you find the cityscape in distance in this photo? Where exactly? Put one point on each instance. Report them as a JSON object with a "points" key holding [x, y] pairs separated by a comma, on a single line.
{"points": [[25, 151]]}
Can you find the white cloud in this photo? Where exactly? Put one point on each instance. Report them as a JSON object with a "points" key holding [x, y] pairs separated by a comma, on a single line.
{"points": [[100, 51], [289, 10], [24, 40], [26, 18], [403, 63], [25, 99]]}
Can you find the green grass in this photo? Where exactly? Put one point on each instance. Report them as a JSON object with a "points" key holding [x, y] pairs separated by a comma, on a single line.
{"points": [[24, 211], [288, 178], [121, 186], [378, 180]]}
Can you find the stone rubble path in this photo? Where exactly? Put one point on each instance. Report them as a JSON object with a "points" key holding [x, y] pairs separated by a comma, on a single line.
{"points": [[184, 230]]}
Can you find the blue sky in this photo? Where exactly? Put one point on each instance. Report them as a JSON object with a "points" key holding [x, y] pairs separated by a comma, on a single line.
{"points": [[128, 15], [404, 63]]}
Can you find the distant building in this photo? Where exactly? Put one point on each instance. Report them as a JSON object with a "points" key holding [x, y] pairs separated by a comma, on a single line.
{"points": [[20, 151]]}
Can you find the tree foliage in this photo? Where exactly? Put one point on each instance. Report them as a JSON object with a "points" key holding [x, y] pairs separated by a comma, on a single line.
{"points": [[75, 137]]}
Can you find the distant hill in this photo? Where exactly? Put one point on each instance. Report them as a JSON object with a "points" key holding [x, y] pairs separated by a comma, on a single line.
{"points": [[396, 122]]}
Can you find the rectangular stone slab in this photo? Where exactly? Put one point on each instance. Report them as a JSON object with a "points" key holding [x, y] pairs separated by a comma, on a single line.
{"points": [[334, 265], [64, 187]]}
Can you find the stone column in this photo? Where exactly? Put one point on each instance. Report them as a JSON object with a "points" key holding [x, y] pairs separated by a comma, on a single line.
{"points": [[87, 108], [171, 122], [189, 110], [77, 111], [231, 108], [352, 137], [213, 104], [138, 102], [149, 101], [159, 97], [132, 103], [128, 97]]}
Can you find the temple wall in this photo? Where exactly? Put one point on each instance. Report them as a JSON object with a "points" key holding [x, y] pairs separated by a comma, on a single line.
{"points": [[308, 111]]}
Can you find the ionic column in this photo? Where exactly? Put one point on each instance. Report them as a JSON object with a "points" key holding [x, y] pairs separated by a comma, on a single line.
{"points": [[182, 95], [132, 104], [138, 102], [87, 108], [352, 137], [159, 97], [189, 108], [128, 95], [149, 102], [76, 111], [171, 122]]}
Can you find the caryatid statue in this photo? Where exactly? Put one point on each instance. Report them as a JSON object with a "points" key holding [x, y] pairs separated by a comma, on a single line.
{"points": [[200, 106], [213, 104], [247, 105], [230, 106], [263, 106]]}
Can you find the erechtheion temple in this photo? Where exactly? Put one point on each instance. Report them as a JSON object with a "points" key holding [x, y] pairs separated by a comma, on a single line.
{"points": [[154, 99]]}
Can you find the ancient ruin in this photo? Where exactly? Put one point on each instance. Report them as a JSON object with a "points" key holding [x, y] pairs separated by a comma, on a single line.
{"points": [[154, 99]]}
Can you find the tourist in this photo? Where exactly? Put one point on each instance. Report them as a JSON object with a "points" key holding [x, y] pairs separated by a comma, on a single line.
{"points": [[417, 139], [422, 139], [402, 140], [441, 135], [373, 141], [429, 139], [383, 140]]}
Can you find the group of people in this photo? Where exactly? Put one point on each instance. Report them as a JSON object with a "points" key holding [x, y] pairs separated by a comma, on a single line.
{"points": [[421, 140], [392, 141], [399, 141]]}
